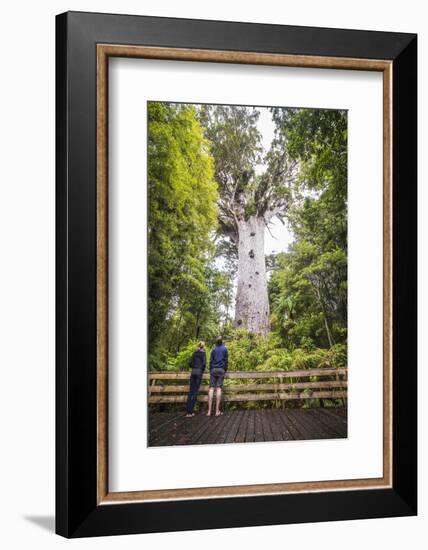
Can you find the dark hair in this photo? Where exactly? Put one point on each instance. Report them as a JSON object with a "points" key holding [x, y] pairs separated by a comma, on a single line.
{"points": [[218, 341]]}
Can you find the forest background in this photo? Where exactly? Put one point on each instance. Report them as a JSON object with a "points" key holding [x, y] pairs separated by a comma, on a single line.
{"points": [[214, 193]]}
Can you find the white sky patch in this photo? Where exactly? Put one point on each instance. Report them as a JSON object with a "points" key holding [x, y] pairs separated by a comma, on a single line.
{"points": [[266, 127], [279, 237]]}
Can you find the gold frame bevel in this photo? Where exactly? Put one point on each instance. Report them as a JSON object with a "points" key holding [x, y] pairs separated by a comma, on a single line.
{"points": [[104, 52]]}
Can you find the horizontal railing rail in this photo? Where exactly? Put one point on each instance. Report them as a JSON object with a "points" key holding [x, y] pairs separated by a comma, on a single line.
{"points": [[163, 389], [304, 373]]}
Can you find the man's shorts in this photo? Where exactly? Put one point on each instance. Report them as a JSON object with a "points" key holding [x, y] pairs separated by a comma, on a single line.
{"points": [[216, 378]]}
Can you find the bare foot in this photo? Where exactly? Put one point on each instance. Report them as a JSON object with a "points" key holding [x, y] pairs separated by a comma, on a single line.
{"points": [[218, 413], [208, 414]]}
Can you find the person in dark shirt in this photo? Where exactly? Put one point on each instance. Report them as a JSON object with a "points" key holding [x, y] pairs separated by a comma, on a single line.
{"points": [[218, 366], [197, 363]]}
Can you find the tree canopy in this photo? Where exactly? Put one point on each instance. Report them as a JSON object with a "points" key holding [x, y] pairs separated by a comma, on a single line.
{"points": [[236, 148]]}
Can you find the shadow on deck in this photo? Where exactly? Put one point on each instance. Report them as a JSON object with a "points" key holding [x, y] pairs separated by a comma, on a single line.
{"points": [[247, 426]]}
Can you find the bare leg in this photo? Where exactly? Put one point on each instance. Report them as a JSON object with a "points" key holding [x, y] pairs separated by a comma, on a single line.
{"points": [[217, 402], [210, 400]]}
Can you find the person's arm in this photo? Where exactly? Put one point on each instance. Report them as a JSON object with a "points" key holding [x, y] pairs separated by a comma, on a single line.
{"points": [[226, 359], [211, 358], [204, 361], [190, 362]]}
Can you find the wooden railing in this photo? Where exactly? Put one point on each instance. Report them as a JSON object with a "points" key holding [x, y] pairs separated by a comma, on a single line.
{"points": [[323, 383]]}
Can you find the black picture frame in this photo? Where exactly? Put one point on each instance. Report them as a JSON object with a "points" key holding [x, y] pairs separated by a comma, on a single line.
{"points": [[77, 512]]}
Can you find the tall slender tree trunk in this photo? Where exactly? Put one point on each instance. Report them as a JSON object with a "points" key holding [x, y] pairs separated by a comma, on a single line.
{"points": [[252, 304], [198, 326], [318, 296]]}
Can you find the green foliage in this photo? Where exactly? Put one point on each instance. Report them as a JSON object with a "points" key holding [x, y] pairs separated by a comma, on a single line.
{"points": [[317, 138], [182, 216], [180, 361], [251, 352], [308, 286]]}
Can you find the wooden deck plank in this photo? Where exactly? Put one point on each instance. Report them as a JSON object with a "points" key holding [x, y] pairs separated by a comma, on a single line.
{"points": [[246, 426], [296, 417], [267, 431], [324, 431], [230, 418], [291, 424], [197, 437], [341, 411], [337, 422], [230, 438], [326, 421], [282, 427], [212, 434], [258, 427], [315, 427], [332, 421], [249, 435], [242, 430], [339, 414], [190, 427], [168, 432], [288, 429], [158, 420], [160, 424], [271, 417]]}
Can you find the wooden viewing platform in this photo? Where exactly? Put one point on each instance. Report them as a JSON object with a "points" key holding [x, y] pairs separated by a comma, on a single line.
{"points": [[245, 426]]}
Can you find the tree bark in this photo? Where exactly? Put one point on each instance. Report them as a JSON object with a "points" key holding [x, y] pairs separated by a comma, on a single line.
{"points": [[252, 304]]}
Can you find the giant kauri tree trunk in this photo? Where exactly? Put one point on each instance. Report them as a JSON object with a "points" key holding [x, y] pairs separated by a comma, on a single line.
{"points": [[252, 304], [248, 202]]}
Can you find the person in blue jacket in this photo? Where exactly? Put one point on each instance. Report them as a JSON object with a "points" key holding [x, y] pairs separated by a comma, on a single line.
{"points": [[218, 367], [197, 363]]}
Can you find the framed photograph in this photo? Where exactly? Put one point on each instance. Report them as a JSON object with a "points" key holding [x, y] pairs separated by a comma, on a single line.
{"points": [[236, 274]]}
